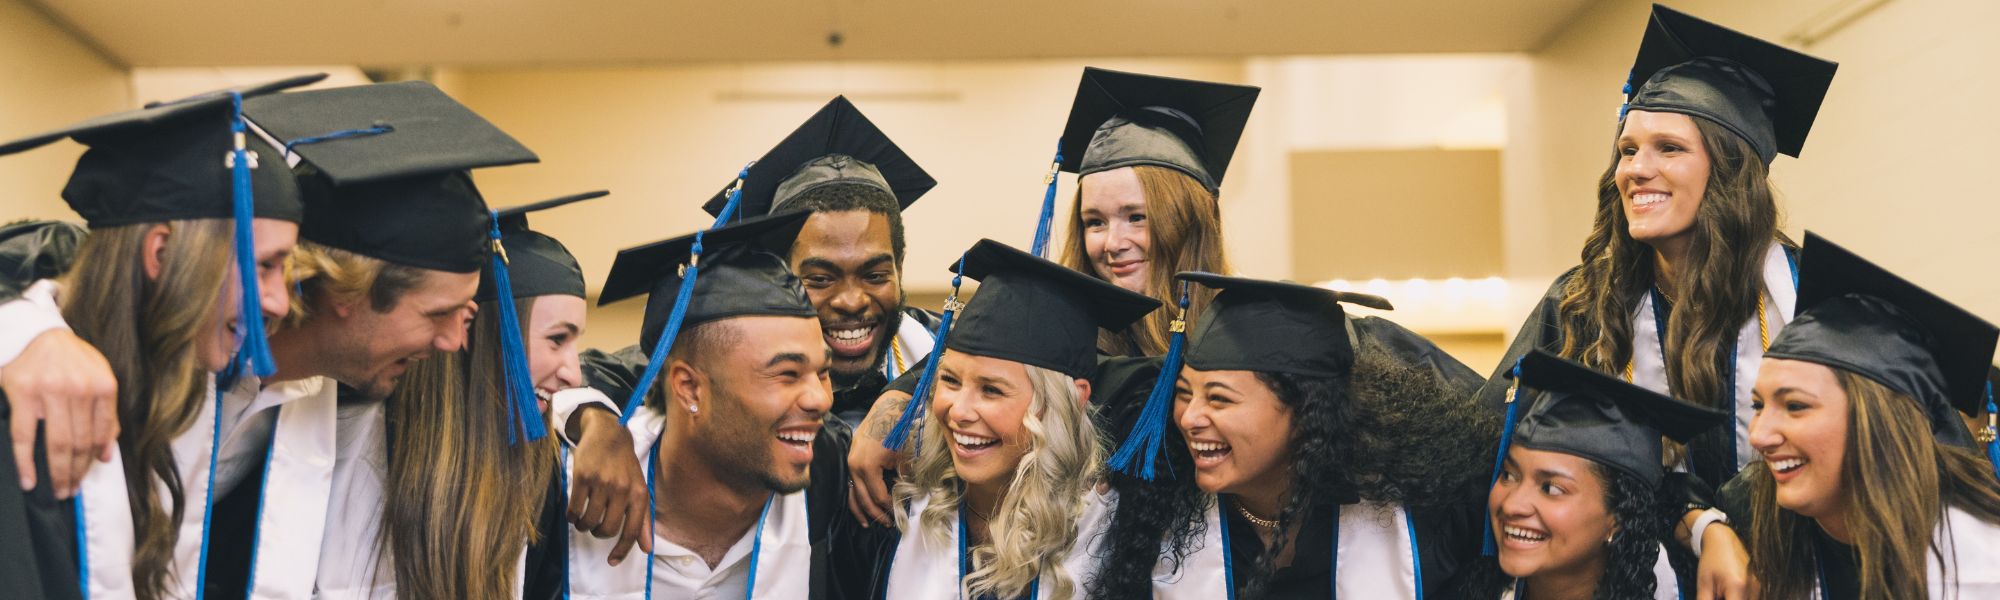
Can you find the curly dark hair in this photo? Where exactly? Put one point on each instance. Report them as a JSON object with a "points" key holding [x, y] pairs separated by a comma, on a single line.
{"points": [[1386, 432], [1645, 515]]}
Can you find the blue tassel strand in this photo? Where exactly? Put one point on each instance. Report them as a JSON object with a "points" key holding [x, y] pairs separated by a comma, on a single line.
{"points": [[658, 359], [517, 383], [1488, 547], [1041, 245], [1628, 97], [913, 411], [1145, 439], [255, 348]]}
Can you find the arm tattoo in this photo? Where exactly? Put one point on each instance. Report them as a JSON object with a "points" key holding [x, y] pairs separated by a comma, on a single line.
{"points": [[882, 418]]}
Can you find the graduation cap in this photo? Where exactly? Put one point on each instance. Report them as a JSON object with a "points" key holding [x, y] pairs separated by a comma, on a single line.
{"points": [[1856, 316], [1126, 119], [735, 270], [186, 159], [1278, 326], [1580, 411], [1763, 92], [539, 265], [1251, 325], [1033, 311], [837, 146], [1028, 310], [171, 161], [384, 170]]}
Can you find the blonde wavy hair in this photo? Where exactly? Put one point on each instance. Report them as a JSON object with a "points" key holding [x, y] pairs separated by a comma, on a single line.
{"points": [[1035, 527]]}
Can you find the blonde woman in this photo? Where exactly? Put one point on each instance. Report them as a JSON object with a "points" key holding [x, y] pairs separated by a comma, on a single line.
{"points": [[1002, 498], [184, 261]]}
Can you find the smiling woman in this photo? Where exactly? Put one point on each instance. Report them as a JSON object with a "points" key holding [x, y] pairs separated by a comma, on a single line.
{"points": [[1867, 487]]}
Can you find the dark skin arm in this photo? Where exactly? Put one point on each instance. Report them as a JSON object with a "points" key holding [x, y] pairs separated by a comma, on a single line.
{"points": [[608, 486]]}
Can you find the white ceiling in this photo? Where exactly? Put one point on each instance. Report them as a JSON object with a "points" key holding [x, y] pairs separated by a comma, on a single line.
{"points": [[153, 33]]}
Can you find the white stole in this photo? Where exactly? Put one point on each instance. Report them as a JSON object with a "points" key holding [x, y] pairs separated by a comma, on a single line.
{"points": [[1377, 558], [1974, 549], [926, 567], [1649, 365], [913, 342], [781, 564], [105, 514], [352, 561], [298, 481]]}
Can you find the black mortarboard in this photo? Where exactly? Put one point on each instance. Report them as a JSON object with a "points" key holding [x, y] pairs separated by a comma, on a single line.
{"points": [[385, 170], [171, 161], [1125, 119], [1273, 326], [837, 146], [1579, 411], [1765, 93], [1033, 311], [744, 272], [1858, 317], [537, 265]]}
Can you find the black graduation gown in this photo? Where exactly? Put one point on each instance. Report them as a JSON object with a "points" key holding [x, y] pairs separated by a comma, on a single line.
{"points": [[37, 531], [614, 374], [1543, 330]]}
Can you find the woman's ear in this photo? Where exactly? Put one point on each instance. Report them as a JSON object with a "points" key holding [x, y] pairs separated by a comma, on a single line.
{"points": [[1082, 392], [155, 248]]}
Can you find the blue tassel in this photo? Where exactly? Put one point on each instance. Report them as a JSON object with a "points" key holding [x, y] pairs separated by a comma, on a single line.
{"points": [[1147, 434], [1487, 546], [1041, 245], [658, 359], [1992, 428], [1628, 97], [255, 348], [912, 411], [519, 389]]}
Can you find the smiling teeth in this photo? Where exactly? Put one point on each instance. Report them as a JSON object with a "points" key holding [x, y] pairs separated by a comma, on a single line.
{"points": [[801, 437], [971, 441], [1645, 199], [1525, 535], [848, 335], [1208, 446], [1788, 465]]}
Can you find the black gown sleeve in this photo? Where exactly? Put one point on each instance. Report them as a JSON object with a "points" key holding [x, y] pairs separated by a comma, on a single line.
{"points": [[614, 373], [850, 561], [1382, 335], [1542, 329], [37, 531], [1447, 543], [35, 250]]}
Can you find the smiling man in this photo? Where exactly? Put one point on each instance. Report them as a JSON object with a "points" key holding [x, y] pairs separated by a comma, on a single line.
{"points": [[734, 433]]}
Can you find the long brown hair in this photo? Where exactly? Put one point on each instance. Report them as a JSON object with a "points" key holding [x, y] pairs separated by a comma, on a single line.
{"points": [[1898, 481], [1184, 233], [1717, 291], [460, 502], [148, 330]]}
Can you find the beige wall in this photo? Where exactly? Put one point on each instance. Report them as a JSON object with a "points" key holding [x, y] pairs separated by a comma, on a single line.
{"points": [[47, 79], [1893, 169], [1356, 211]]}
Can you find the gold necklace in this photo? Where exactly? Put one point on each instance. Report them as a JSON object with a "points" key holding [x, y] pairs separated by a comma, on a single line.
{"points": [[1260, 523]]}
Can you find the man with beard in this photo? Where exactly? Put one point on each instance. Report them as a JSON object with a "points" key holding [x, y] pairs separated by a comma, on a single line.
{"points": [[742, 474], [855, 183]]}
